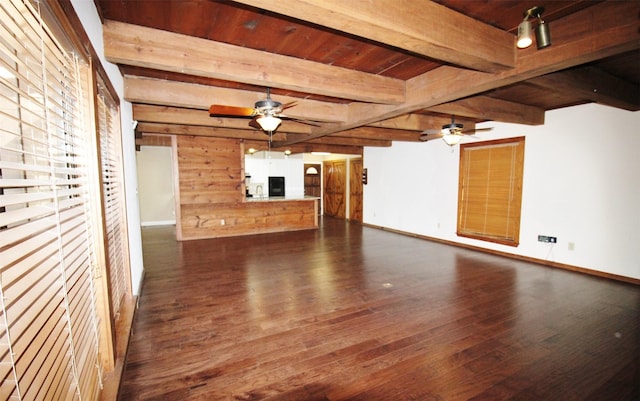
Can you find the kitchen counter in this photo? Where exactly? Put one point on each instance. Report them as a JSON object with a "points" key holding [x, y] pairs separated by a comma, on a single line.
{"points": [[280, 198]]}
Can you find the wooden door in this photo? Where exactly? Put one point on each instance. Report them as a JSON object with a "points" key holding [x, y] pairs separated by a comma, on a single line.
{"points": [[355, 190], [335, 179]]}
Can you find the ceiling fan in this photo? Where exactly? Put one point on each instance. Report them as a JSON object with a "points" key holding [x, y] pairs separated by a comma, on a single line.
{"points": [[266, 114], [451, 133]]}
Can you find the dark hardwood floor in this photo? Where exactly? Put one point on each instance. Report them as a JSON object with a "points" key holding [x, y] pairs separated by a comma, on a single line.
{"points": [[354, 313]]}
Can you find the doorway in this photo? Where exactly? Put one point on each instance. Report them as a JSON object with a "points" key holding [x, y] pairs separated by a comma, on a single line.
{"points": [[335, 188], [355, 190]]}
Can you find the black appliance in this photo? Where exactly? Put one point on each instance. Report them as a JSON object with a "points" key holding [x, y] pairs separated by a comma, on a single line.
{"points": [[276, 186]]}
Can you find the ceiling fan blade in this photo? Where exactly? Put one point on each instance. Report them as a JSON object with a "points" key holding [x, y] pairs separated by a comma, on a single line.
{"points": [[305, 122], [253, 123], [297, 120], [289, 105], [220, 110], [474, 131]]}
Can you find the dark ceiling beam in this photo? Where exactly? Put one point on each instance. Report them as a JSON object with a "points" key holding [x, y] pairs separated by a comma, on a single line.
{"points": [[175, 129], [379, 134], [488, 108], [595, 85], [417, 122], [306, 148], [599, 31], [254, 135], [183, 116], [336, 140], [414, 123], [420, 27], [140, 46]]}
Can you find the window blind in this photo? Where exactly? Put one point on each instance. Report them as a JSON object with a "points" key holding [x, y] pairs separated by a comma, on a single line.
{"points": [[490, 190], [113, 197], [48, 322]]}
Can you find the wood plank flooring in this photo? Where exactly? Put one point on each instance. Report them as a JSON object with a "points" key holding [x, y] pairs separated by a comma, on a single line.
{"points": [[354, 313]]}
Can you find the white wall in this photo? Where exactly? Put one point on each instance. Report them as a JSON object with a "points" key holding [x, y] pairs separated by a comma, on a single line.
{"points": [[88, 15], [155, 181], [581, 184]]}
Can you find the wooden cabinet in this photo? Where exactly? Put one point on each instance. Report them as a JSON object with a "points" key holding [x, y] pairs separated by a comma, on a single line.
{"points": [[312, 181]]}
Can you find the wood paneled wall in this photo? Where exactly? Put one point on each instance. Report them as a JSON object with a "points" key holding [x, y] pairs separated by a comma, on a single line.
{"points": [[210, 194]]}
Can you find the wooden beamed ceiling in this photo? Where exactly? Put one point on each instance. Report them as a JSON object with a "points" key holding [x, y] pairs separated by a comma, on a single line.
{"points": [[365, 73]]}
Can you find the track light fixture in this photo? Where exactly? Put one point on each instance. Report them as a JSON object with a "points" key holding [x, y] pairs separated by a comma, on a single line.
{"points": [[524, 35], [543, 35]]}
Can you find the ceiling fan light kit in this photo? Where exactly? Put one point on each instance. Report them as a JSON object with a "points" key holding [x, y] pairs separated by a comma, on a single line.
{"points": [[452, 133], [268, 122], [543, 34], [452, 138], [266, 114]]}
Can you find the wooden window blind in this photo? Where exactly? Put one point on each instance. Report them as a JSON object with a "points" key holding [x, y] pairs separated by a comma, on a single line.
{"points": [[490, 190], [48, 322], [113, 197]]}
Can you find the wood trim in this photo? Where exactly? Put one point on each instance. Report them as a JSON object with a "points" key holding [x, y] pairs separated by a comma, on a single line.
{"points": [[506, 242], [111, 381], [564, 266], [176, 186]]}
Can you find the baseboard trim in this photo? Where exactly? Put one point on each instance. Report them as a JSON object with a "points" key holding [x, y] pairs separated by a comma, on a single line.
{"points": [[158, 223], [543, 262], [112, 380]]}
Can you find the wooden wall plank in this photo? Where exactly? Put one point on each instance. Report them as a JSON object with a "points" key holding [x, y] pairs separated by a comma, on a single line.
{"points": [[212, 202]]}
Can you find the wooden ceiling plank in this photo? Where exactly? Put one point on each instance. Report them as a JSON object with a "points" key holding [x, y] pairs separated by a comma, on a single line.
{"points": [[593, 84], [594, 33], [180, 94], [488, 108], [152, 48], [421, 27]]}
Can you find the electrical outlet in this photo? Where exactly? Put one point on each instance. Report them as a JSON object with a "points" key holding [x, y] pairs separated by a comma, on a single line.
{"points": [[547, 239]]}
